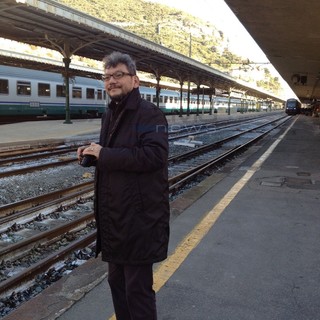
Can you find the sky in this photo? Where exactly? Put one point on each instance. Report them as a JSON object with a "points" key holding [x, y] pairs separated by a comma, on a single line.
{"points": [[218, 13]]}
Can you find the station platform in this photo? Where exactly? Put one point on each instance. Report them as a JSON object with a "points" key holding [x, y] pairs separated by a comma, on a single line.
{"points": [[56, 131], [244, 244]]}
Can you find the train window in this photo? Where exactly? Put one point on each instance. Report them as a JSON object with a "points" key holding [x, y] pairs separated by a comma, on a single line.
{"points": [[175, 99], [166, 98], [61, 90], [99, 94], [90, 93], [142, 95], [161, 99], [154, 98], [76, 93], [104, 95], [171, 99], [23, 88], [4, 86], [148, 97], [44, 89]]}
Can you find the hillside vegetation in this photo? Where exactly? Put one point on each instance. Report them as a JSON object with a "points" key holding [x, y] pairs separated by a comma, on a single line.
{"points": [[173, 29]]}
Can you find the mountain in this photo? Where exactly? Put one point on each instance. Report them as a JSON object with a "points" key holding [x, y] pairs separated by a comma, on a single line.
{"points": [[177, 30], [172, 28]]}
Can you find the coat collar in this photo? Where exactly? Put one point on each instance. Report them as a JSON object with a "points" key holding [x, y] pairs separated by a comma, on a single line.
{"points": [[129, 102]]}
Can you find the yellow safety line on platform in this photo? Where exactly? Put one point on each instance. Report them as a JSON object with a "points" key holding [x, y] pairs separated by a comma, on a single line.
{"points": [[167, 268]]}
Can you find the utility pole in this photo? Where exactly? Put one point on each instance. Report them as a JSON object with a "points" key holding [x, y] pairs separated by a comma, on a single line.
{"points": [[188, 97]]}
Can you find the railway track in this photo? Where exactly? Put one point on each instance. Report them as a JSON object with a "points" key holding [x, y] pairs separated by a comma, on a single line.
{"points": [[185, 167], [34, 159], [58, 224]]}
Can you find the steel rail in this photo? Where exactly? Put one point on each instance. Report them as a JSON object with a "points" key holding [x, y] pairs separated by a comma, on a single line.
{"points": [[207, 147], [36, 202], [20, 248], [35, 168], [15, 282], [35, 156], [178, 180]]}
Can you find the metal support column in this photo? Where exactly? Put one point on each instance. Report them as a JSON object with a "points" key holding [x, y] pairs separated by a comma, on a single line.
{"points": [[198, 98], [158, 89], [181, 99], [66, 81]]}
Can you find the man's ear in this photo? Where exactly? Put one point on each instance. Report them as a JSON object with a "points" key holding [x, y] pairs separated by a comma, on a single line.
{"points": [[136, 82]]}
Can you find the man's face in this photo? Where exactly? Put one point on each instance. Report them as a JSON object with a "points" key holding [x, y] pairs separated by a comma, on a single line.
{"points": [[120, 83]]}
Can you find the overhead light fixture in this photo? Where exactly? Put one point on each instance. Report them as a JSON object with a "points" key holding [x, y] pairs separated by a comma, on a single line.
{"points": [[299, 79], [295, 78], [303, 80]]}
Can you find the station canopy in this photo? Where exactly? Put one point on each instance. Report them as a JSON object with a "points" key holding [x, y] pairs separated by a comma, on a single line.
{"points": [[288, 32], [49, 24]]}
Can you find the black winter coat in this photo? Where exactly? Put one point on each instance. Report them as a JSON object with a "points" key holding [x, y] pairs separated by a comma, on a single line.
{"points": [[131, 197]]}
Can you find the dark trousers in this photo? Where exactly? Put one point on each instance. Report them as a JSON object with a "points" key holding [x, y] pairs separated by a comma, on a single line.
{"points": [[132, 293]]}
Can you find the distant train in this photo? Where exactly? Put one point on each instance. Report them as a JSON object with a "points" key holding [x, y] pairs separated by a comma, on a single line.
{"points": [[31, 94], [170, 102], [293, 106]]}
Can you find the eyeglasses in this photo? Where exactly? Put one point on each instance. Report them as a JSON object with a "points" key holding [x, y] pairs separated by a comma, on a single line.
{"points": [[117, 75]]}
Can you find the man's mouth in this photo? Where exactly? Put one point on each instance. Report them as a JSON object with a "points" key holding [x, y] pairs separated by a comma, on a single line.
{"points": [[113, 87]]}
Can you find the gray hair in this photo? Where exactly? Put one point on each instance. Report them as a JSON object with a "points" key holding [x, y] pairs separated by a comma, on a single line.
{"points": [[113, 59]]}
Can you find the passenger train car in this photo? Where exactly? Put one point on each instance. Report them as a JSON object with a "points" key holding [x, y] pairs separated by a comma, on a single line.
{"points": [[32, 94], [292, 107], [169, 101]]}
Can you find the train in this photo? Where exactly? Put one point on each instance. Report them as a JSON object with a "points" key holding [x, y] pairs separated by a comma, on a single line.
{"points": [[170, 102], [292, 106], [26, 93], [34, 94]]}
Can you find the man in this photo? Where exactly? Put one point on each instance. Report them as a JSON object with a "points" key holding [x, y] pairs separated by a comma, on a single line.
{"points": [[131, 190]]}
